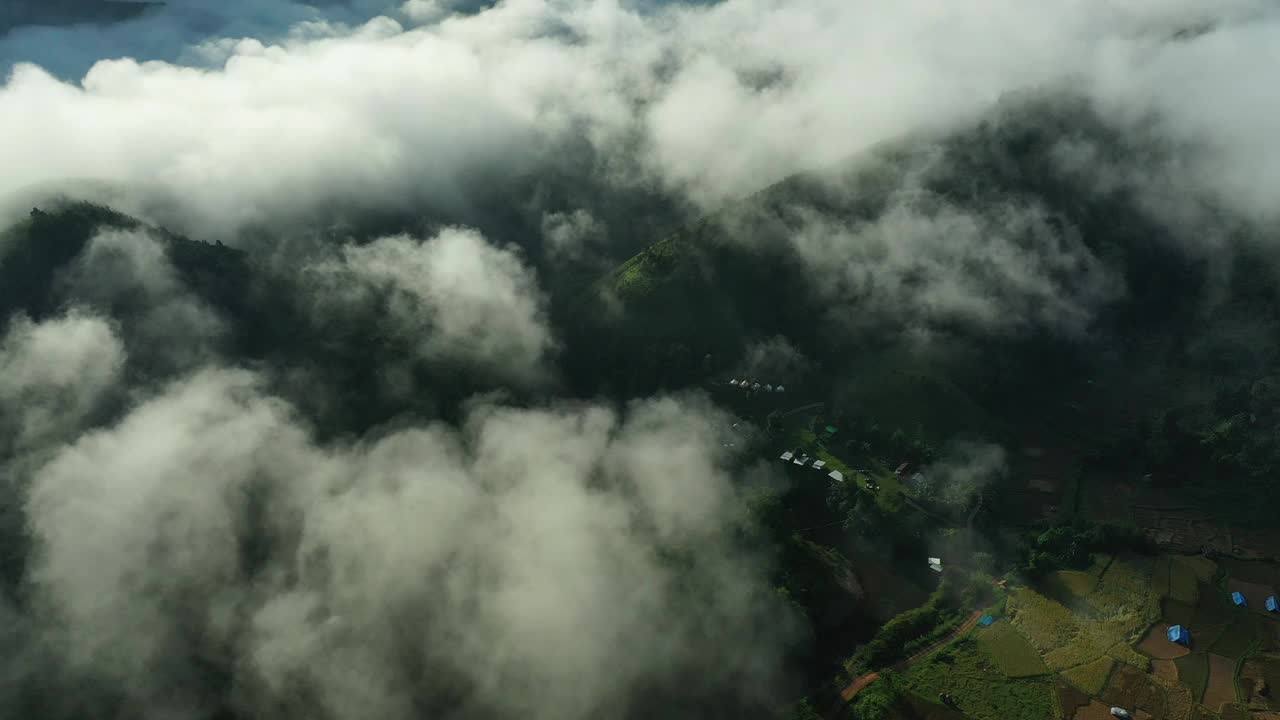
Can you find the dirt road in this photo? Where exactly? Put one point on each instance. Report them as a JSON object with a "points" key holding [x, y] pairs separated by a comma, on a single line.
{"points": [[857, 685]]}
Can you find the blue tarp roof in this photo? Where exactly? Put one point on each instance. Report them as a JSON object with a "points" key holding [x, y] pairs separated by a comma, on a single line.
{"points": [[986, 620], [1238, 598], [1179, 634], [1271, 604]]}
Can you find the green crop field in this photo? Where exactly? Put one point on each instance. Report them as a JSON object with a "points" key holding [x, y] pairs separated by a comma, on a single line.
{"points": [[963, 671], [1193, 672], [1091, 677], [1101, 561], [1011, 651], [1160, 575], [1045, 622], [1122, 652], [1183, 581], [1070, 585], [1238, 637]]}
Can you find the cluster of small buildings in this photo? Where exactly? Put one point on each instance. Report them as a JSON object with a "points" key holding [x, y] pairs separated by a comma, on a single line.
{"points": [[796, 458], [752, 385]]}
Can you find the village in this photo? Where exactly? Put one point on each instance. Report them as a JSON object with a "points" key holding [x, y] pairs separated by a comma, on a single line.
{"points": [[1188, 630]]}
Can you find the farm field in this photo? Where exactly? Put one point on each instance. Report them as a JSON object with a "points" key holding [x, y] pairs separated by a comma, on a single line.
{"points": [[1156, 644], [1135, 691], [1255, 593], [1120, 607], [964, 670], [1260, 681], [1221, 688], [1091, 677], [1012, 653], [1193, 673], [1070, 585], [1184, 581], [1236, 640]]}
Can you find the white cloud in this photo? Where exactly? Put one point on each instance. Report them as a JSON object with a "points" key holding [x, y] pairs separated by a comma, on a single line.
{"points": [[54, 375], [522, 558], [715, 101], [454, 296]]}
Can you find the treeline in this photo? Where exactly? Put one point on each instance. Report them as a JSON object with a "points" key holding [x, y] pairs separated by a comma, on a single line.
{"points": [[916, 629]]}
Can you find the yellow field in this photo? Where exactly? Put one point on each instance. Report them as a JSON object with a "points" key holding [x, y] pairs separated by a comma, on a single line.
{"points": [[1105, 622], [1091, 677]]}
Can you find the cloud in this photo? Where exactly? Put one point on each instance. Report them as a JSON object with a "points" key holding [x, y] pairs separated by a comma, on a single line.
{"points": [[454, 297], [964, 471], [128, 273], [547, 563], [708, 101], [774, 360], [573, 235], [54, 376], [932, 264]]}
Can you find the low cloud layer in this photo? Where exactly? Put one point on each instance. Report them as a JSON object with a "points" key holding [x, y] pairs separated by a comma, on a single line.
{"points": [[555, 563], [708, 101], [456, 298]]}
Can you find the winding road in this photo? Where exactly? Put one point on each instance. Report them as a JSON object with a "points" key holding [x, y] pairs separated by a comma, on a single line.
{"points": [[857, 685]]}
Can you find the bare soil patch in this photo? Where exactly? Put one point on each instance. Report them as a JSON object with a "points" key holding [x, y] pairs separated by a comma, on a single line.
{"points": [[1222, 685], [1156, 644], [1165, 670], [1094, 711]]}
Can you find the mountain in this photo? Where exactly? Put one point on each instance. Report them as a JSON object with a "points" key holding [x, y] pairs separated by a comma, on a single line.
{"points": [[1040, 263]]}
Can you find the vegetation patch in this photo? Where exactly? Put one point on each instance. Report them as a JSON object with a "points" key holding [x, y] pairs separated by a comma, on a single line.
{"points": [[1070, 585], [1178, 613], [1121, 607], [1238, 637], [1099, 564], [1193, 673], [1260, 681], [1178, 703], [1134, 691], [1183, 581], [1160, 576], [1046, 623], [1011, 651], [964, 671], [1091, 677], [1203, 568], [1122, 652]]}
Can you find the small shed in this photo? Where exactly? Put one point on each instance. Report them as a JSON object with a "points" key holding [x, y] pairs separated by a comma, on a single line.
{"points": [[986, 620], [1271, 604], [1180, 635], [935, 564], [819, 464], [787, 456], [836, 475], [734, 382], [1237, 599]]}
